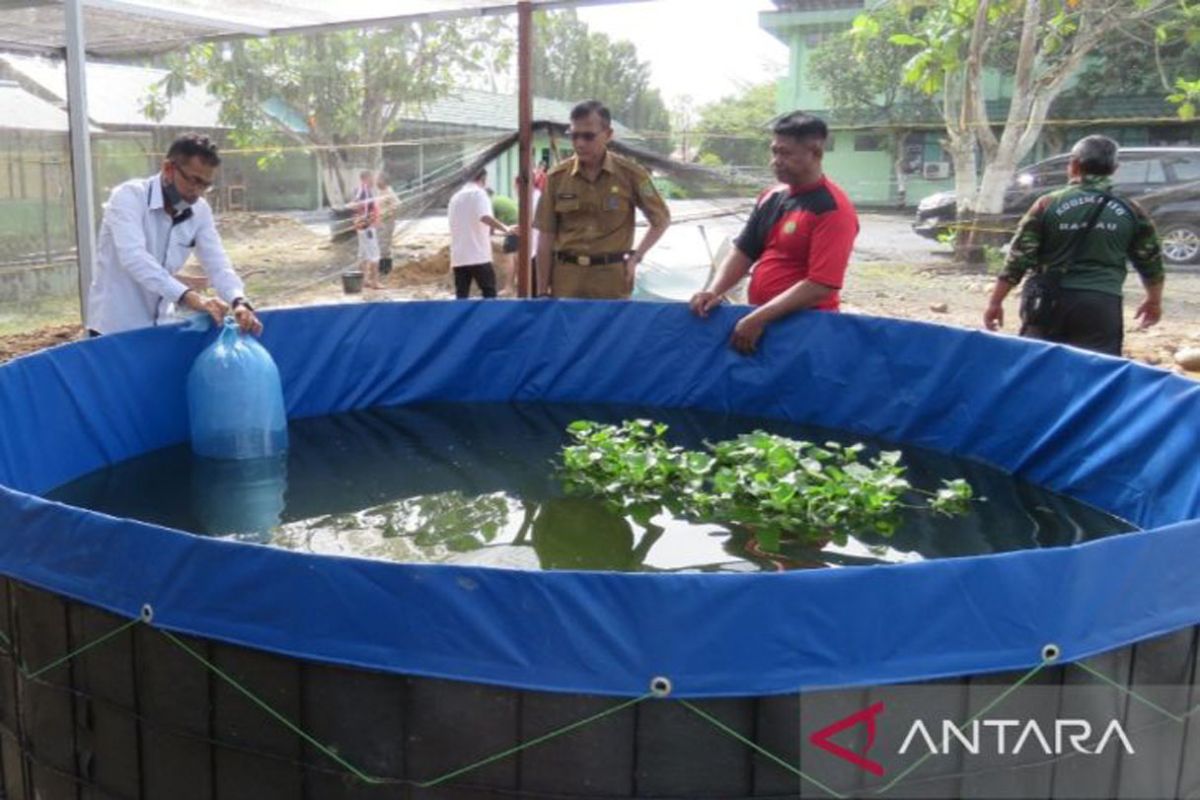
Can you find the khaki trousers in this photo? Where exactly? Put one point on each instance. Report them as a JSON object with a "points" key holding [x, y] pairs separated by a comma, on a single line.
{"points": [[594, 282]]}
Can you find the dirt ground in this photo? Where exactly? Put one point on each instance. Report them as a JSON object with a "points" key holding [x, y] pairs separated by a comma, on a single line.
{"points": [[893, 274]]}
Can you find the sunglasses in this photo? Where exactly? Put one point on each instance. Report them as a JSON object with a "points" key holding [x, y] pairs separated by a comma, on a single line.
{"points": [[199, 183], [587, 136]]}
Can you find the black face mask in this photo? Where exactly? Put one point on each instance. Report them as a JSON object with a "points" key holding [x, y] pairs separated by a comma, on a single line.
{"points": [[173, 198]]}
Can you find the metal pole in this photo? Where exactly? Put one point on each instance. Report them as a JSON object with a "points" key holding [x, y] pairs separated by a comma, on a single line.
{"points": [[81, 148], [525, 144]]}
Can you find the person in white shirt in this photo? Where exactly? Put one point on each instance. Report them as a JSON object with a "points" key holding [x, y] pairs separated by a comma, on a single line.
{"points": [[366, 224], [511, 242], [471, 224], [150, 227]]}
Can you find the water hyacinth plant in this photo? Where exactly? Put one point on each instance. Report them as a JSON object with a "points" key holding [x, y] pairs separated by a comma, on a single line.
{"points": [[772, 485]]}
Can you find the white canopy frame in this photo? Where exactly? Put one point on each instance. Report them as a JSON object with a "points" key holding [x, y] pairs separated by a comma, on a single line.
{"points": [[60, 28]]}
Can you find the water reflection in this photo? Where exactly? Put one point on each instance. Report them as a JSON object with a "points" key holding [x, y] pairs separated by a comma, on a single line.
{"points": [[475, 484], [582, 533], [243, 498]]}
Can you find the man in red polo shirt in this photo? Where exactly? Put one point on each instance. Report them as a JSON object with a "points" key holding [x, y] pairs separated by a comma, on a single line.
{"points": [[798, 239]]}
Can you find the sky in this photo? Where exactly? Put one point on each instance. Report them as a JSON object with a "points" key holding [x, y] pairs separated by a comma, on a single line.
{"points": [[701, 48]]}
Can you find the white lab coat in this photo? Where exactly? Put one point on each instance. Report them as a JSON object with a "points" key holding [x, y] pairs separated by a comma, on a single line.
{"points": [[139, 251]]}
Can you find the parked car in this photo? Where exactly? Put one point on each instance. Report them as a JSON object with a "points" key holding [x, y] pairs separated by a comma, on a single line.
{"points": [[1163, 180]]}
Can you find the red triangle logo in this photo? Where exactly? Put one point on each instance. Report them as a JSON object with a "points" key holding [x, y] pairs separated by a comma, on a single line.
{"points": [[822, 738]]}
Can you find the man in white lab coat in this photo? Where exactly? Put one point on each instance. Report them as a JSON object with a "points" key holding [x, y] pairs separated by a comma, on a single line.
{"points": [[150, 227]]}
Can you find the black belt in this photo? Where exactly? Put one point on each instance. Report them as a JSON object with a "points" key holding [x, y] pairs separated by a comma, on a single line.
{"points": [[591, 261]]}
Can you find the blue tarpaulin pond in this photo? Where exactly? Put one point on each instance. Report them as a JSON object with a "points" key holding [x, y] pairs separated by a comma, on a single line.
{"points": [[1112, 433]]}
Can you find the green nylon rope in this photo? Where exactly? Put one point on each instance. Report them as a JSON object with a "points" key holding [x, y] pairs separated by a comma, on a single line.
{"points": [[265, 706], [1144, 700], [995, 702], [6, 641], [543, 738], [756, 747], [30, 675]]}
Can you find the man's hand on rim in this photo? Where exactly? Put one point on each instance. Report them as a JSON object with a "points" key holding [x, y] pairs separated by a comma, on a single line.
{"points": [[704, 302]]}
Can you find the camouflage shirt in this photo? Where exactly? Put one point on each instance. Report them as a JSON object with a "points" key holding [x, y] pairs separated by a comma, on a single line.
{"points": [[1045, 239]]}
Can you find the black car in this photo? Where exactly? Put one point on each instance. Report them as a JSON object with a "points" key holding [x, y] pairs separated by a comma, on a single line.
{"points": [[1164, 180]]}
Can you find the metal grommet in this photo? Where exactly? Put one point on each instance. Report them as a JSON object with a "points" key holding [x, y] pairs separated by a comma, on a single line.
{"points": [[660, 686], [1051, 653], [147, 614]]}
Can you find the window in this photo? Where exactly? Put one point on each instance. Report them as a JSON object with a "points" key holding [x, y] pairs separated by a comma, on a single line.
{"points": [[914, 158], [1186, 169], [1053, 173], [1139, 171], [868, 142]]}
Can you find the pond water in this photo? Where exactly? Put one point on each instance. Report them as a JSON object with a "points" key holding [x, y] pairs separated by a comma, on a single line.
{"points": [[477, 484]]}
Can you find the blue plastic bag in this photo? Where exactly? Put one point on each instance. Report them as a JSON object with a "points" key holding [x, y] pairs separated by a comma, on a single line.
{"points": [[243, 498], [235, 399]]}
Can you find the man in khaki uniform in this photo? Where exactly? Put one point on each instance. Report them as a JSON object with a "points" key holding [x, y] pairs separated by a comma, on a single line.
{"points": [[586, 219]]}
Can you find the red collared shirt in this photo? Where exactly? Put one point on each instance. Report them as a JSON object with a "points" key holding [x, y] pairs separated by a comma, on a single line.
{"points": [[796, 233]]}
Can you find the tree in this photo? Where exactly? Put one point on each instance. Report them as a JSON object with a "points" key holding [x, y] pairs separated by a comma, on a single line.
{"points": [[955, 42], [1144, 60], [340, 93], [571, 63], [683, 118], [733, 128], [1183, 26], [857, 70]]}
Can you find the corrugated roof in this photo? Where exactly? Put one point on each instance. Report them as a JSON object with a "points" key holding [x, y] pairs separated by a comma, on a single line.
{"points": [[116, 93], [478, 109], [1114, 107], [126, 27], [1066, 110]]}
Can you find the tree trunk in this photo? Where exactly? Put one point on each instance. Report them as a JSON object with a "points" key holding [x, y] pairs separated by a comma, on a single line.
{"points": [[899, 161], [967, 247], [962, 155], [339, 173]]}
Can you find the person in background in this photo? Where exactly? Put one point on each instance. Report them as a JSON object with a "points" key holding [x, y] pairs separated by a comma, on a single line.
{"points": [[1082, 236], [586, 215], [149, 228], [539, 181], [366, 226], [798, 238], [389, 207], [471, 225], [505, 209]]}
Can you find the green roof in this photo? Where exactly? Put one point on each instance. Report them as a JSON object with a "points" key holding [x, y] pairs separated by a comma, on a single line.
{"points": [[1066, 110], [473, 108]]}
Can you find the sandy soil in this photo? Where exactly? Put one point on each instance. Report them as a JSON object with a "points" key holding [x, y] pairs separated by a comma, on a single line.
{"points": [[893, 274]]}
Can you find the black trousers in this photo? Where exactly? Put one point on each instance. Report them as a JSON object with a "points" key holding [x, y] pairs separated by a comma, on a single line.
{"points": [[483, 274], [1090, 320]]}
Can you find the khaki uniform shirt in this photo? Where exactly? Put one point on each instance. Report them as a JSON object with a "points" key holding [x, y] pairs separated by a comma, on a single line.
{"points": [[596, 218]]}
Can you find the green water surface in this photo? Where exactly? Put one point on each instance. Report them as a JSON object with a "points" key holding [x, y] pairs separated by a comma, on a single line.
{"points": [[477, 484]]}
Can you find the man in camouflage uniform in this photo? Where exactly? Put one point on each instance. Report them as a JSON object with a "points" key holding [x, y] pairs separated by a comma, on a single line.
{"points": [[585, 217], [1088, 312]]}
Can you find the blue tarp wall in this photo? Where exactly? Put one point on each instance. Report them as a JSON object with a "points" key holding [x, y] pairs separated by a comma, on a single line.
{"points": [[1112, 433]]}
